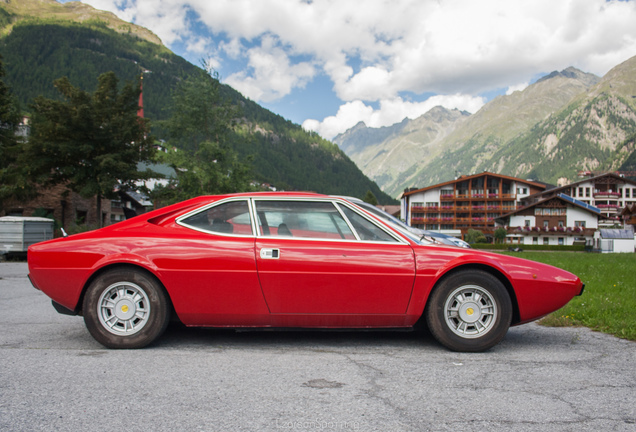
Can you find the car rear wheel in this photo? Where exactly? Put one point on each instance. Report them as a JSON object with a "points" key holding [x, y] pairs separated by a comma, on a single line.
{"points": [[469, 311], [125, 309]]}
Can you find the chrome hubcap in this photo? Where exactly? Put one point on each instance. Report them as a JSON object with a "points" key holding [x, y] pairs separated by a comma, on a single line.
{"points": [[470, 311], [123, 308]]}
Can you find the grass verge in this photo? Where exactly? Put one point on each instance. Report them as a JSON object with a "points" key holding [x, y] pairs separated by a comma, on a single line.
{"points": [[609, 301]]}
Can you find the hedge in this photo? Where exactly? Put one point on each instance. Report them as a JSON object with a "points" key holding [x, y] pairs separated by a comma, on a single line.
{"points": [[506, 246]]}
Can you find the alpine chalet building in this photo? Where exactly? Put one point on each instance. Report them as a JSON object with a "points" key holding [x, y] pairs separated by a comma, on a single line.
{"points": [[468, 202]]}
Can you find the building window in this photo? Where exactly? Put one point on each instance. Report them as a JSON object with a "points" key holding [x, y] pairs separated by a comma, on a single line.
{"points": [[546, 240], [535, 240], [580, 224], [527, 223], [580, 192], [587, 192], [561, 241], [545, 224], [80, 217], [560, 224]]}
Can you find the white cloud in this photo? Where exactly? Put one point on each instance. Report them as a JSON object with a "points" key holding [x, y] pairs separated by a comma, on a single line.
{"points": [[376, 49], [391, 111], [270, 75], [379, 50], [517, 87]]}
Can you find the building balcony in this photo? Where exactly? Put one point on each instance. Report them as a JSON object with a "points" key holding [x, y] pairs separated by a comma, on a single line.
{"points": [[607, 194], [608, 208], [557, 231], [425, 220]]}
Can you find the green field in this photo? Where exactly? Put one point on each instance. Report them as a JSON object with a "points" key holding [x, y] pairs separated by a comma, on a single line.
{"points": [[609, 301]]}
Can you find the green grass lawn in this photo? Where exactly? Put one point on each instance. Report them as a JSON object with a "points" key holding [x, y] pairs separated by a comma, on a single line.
{"points": [[608, 303]]}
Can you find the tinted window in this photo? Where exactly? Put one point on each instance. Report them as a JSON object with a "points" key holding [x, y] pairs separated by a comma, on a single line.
{"points": [[228, 218], [301, 219]]}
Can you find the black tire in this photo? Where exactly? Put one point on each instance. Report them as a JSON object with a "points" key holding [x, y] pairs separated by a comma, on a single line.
{"points": [[125, 308], [469, 311]]}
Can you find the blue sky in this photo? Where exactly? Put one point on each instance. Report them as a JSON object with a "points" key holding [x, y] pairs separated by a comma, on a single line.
{"points": [[328, 64]]}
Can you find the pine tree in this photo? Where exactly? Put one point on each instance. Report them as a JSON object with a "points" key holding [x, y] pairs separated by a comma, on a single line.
{"points": [[90, 142]]}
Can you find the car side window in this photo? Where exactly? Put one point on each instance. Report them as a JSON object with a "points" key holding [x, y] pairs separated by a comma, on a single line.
{"points": [[366, 229], [227, 218], [303, 219]]}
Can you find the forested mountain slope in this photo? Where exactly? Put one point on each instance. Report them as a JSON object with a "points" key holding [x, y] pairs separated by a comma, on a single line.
{"points": [[42, 40]]}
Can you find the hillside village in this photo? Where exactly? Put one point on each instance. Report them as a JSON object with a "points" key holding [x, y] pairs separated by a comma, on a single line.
{"points": [[597, 212]]}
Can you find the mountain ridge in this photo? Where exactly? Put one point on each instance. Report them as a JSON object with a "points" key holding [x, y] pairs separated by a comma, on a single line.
{"points": [[507, 124]]}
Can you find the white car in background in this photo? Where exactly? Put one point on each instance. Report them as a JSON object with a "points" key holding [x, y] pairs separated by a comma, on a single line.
{"points": [[423, 234]]}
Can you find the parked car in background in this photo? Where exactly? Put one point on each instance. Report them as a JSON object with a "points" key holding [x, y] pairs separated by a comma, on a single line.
{"points": [[275, 260]]}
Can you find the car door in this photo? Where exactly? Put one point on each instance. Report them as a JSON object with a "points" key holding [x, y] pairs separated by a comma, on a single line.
{"points": [[320, 257], [211, 275]]}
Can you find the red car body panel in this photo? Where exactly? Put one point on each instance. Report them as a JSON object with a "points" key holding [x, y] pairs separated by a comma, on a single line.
{"points": [[217, 280]]}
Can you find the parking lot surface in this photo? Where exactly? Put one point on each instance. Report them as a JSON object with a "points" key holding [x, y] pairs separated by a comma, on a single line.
{"points": [[54, 376]]}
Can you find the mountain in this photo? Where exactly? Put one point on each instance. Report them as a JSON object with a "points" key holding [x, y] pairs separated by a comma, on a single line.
{"points": [[596, 131], [468, 144], [386, 154], [42, 40]]}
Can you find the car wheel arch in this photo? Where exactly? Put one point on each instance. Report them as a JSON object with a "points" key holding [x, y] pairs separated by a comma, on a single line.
{"points": [[488, 269], [121, 266]]}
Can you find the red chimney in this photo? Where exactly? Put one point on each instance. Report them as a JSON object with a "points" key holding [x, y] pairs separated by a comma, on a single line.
{"points": [[140, 111]]}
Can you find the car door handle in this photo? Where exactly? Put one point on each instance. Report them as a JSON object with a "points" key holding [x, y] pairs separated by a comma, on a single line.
{"points": [[267, 253]]}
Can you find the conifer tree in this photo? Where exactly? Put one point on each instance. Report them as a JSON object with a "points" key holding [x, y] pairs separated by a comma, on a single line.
{"points": [[90, 142]]}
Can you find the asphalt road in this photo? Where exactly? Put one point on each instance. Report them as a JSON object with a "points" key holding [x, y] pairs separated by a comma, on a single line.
{"points": [[54, 376]]}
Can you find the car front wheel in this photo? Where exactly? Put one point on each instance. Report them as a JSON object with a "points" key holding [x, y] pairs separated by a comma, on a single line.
{"points": [[125, 308], [469, 311]]}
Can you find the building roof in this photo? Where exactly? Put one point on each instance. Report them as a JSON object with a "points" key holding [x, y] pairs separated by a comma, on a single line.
{"points": [[562, 197], [470, 177], [592, 179], [24, 219], [630, 209], [617, 234], [579, 203], [139, 198]]}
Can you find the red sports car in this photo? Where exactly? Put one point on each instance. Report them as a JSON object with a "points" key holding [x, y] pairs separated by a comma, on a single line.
{"points": [[283, 260]]}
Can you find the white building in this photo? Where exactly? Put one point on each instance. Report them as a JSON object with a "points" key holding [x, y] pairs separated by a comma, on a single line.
{"points": [[468, 202], [609, 192], [558, 220]]}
